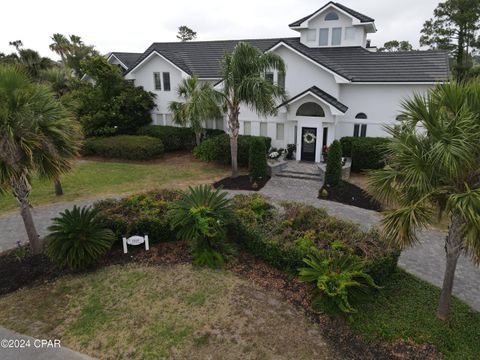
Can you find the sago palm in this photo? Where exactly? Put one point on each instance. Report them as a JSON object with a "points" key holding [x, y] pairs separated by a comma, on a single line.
{"points": [[433, 167], [200, 103], [244, 84], [37, 137]]}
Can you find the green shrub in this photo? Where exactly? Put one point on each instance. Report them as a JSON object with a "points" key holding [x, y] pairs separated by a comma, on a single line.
{"points": [[339, 276], [78, 238], [283, 238], [218, 149], [199, 217], [173, 138], [130, 147], [346, 143], [257, 161], [368, 153], [139, 214], [333, 174]]}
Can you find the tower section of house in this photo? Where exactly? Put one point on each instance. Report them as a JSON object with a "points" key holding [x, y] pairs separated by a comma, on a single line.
{"points": [[336, 84]]}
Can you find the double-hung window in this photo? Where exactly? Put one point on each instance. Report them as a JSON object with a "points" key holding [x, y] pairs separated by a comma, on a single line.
{"points": [[337, 36], [269, 77], [157, 81], [166, 81], [247, 128], [360, 130], [323, 37]]}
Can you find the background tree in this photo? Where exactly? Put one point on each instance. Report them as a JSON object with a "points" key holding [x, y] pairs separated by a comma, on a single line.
{"points": [[30, 60], [72, 52], [395, 45], [199, 105], [243, 82], [454, 28], [109, 105], [37, 137], [434, 171], [186, 34]]}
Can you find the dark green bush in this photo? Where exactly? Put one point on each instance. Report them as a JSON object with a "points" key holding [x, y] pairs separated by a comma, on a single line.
{"points": [[129, 147], [78, 238], [218, 149], [173, 138], [257, 161], [333, 174], [139, 214], [368, 153]]}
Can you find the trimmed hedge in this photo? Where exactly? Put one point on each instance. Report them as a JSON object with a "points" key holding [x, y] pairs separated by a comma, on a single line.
{"points": [[257, 162], [130, 147], [367, 153], [218, 149], [283, 239], [139, 214], [333, 173], [176, 138]]}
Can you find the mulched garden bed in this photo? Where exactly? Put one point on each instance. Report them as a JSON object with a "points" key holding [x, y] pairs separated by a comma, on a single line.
{"points": [[33, 270], [241, 182], [350, 194]]}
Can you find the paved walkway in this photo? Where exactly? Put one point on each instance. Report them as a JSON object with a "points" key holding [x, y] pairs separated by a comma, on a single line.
{"points": [[35, 351], [426, 260]]}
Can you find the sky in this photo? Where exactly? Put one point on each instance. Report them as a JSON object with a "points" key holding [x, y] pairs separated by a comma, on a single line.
{"points": [[131, 26]]}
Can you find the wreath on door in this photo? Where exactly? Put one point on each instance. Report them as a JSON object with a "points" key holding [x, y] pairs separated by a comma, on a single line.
{"points": [[309, 138]]}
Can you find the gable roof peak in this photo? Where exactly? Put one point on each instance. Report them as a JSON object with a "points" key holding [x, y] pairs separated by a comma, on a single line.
{"points": [[361, 17]]}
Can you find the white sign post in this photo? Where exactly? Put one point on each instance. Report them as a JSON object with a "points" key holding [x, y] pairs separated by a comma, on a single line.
{"points": [[135, 240]]}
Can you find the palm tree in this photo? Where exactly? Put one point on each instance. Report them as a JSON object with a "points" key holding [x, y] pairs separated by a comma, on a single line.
{"points": [[432, 167], [199, 105], [60, 45], [37, 136], [244, 84]]}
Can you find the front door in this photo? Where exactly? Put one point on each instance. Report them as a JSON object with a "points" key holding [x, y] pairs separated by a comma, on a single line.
{"points": [[309, 144]]}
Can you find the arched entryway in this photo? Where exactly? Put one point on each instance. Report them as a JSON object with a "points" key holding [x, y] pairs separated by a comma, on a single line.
{"points": [[314, 113]]}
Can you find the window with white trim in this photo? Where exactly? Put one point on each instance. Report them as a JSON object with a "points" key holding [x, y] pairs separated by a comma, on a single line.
{"points": [[331, 16], [337, 36], [169, 120], [359, 130], [157, 81], [323, 37], [263, 129], [281, 80], [219, 124], [280, 131], [166, 81], [269, 76], [247, 128]]}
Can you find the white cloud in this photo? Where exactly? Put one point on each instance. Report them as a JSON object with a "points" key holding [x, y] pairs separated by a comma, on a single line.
{"points": [[133, 25]]}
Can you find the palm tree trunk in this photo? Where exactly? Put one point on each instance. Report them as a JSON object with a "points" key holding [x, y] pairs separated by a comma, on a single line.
{"points": [[21, 192], [234, 153], [58, 187], [453, 248]]}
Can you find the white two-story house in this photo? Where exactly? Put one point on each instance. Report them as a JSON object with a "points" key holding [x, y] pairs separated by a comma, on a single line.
{"points": [[337, 84]]}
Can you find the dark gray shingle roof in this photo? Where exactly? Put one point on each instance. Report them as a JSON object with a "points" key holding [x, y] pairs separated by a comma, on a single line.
{"points": [[321, 94], [356, 14], [128, 59], [356, 64]]}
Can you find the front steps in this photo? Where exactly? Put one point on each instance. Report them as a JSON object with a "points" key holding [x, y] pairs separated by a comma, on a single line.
{"points": [[300, 170]]}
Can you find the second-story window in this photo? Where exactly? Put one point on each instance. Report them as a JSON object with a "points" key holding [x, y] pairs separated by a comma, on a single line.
{"points": [[336, 36], [269, 77], [166, 81], [157, 81], [323, 37]]}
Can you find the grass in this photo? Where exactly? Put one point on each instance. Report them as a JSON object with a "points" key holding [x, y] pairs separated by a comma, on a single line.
{"points": [[97, 178], [406, 307], [148, 312]]}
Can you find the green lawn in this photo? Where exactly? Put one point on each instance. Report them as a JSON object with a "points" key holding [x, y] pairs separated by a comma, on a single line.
{"points": [[95, 178], [405, 308]]}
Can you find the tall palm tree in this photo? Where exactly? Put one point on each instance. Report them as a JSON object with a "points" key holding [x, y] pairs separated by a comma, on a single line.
{"points": [[60, 45], [37, 136], [244, 84], [432, 167], [199, 104]]}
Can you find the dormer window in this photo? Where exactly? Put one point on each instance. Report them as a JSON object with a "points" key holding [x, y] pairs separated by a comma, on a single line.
{"points": [[331, 16], [323, 37], [337, 36]]}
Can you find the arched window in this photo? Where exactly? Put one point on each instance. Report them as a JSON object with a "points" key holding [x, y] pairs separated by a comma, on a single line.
{"points": [[361, 116], [331, 16], [310, 109]]}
